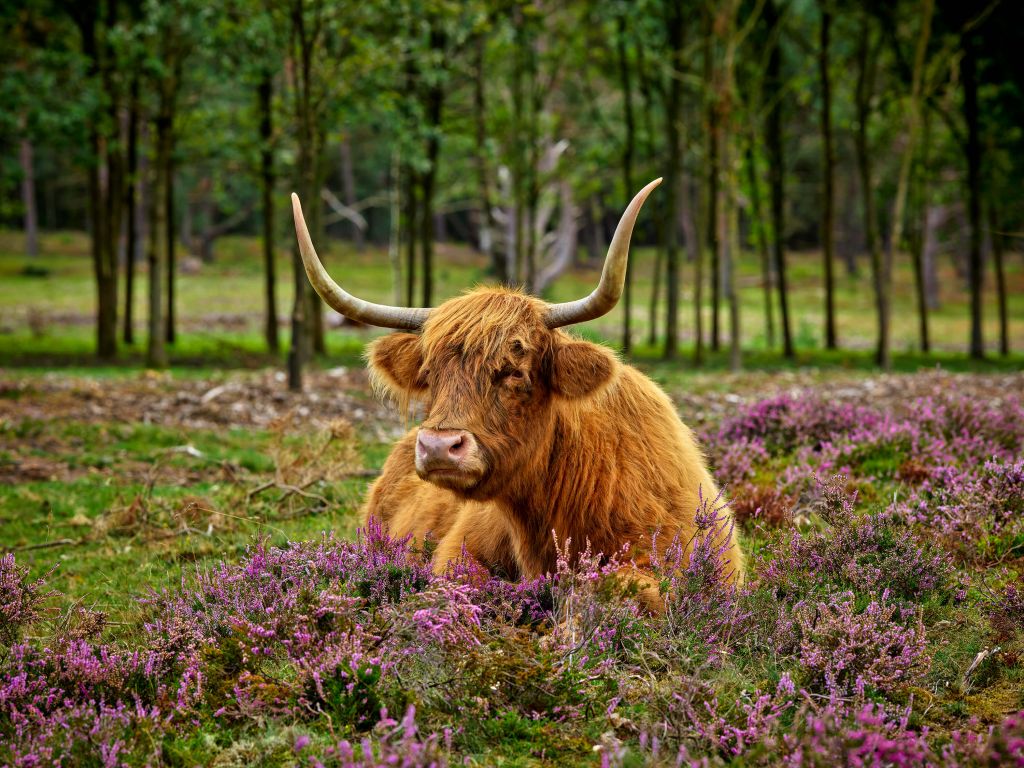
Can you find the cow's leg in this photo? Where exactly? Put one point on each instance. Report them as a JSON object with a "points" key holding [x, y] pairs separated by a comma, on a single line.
{"points": [[480, 532]]}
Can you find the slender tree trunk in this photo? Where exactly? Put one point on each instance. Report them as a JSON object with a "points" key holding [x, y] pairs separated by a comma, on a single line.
{"points": [[130, 202], [729, 184], [28, 197], [674, 23], [411, 228], [865, 89], [776, 170], [519, 150], [969, 76], [998, 253], [156, 352], [433, 108], [659, 267], [94, 46], [487, 224], [828, 174], [907, 161], [628, 150], [265, 93], [112, 208], [395, 226], [713, 198], [533, 144], [303, 43], [760, 231], [170, 318], [644, 85], [918, 245]]}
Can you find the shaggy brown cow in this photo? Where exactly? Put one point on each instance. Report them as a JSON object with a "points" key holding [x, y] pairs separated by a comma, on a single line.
{"points": [[528, 431]]}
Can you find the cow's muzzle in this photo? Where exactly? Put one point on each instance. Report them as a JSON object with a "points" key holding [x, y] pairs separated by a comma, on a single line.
{"points": [[447, 456]]}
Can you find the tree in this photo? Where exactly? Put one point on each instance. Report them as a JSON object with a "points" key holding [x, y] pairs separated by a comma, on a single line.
{"points": [[969, 76], [673, 15], [828, 172], [96, 25], [628, 153], [776, 166], [172, 32], [867, 59]]}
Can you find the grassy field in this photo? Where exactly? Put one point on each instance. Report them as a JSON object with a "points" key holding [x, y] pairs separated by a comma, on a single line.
{"points": [[46, 306]]}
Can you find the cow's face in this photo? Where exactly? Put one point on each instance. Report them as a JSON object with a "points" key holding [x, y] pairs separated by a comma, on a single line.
{"points": [[488, 372]]}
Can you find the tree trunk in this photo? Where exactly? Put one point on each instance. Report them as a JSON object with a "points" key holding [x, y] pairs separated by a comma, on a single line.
{"points": [[169, 318], [411, 229], [917, 246], [767, 283], [969, 76], [395, 226], [432, 108], [28, 197], [998, 253], [728, 183], [865, 87], [156, 352], [628, 150], [828, 174], [713, 198], [907, 161], [266, 95], [487, 224], [776, 171], [674, 23], [130, 202], [87, 17], [644, 85]]}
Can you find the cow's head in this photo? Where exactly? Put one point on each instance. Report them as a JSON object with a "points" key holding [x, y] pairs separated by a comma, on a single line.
{"points": [[487, 366]]}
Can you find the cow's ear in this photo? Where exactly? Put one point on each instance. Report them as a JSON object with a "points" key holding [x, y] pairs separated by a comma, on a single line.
{"points": [[395, 362], [579, 368]]}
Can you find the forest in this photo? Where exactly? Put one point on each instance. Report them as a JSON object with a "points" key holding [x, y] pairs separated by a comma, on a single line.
{"points": [[882, 137]]}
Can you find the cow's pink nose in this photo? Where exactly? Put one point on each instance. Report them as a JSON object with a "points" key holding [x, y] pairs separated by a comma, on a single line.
{"points": [[442, 449]]}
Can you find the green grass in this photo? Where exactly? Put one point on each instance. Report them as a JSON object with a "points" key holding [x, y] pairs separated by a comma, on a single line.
{"points": [[114, 514], [47, 305]]}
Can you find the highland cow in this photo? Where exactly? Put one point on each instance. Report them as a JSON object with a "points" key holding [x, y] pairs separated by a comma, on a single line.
{"points": [[529, 434]]}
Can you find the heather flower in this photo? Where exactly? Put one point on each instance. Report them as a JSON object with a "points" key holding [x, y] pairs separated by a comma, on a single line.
{"points": [[843, 650], [869, 554], [21, 600], [978, 512], [701, 604]]}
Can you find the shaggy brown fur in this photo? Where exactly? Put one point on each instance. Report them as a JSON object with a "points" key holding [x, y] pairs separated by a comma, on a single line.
{"points": [[570, 441]]}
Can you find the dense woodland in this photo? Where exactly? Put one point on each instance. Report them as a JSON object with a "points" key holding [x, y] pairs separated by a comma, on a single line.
{"points": [[874, 131]]}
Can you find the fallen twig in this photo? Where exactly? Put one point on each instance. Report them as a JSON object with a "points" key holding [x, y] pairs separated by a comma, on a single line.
{"points": [[48, 545], [301, 489]]}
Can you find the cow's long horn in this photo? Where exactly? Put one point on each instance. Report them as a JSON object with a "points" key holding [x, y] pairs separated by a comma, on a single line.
{"points": [[613, 276], [338, 298]]}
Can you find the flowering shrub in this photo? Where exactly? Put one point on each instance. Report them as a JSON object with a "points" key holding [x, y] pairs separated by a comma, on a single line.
{"points": [[856, 597], [869, 553], [21, 600], [844, 650], [978, 510]]}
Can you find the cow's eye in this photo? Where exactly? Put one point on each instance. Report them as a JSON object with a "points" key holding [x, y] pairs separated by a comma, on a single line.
{"points": [[508, 374]]}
